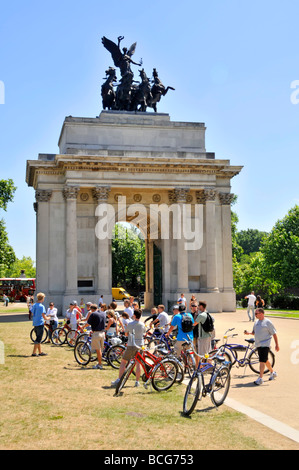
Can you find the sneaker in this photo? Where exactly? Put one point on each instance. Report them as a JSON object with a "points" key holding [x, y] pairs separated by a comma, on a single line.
{"points": [[43, 354], [137, 384], [98, 366], [273, 375], [259, 381], [115, 382]]}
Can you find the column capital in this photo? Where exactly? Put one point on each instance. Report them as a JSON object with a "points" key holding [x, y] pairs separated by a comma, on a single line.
{"points": [[101, 193], [226, 198], [210, 195], [43, 195], [205, 195], [178, 195], [70, 192]]}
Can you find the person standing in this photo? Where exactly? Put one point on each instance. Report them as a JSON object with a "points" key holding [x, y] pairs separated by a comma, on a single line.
{"points": [[134, 340], [162, 319], [53, 322], [97, 321], [38, 320], [263, 330], [251, 305], [204, 338], [177, 322]]}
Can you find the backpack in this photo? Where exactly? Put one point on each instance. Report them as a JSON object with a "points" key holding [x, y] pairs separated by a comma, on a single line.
{"points": [[187, 323], [208, 325]]}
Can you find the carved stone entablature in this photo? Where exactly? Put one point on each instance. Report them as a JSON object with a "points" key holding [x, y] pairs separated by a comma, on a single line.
{"points": [[226, 198], [43, 195], [70, 192], [101, 193], [179, 195]]}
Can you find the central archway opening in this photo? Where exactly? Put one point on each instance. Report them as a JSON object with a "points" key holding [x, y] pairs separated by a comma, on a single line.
{"points": [[128, 259]]}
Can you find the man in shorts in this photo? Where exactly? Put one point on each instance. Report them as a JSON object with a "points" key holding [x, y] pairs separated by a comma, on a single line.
{"points": [[263, 330], [134, 340], [97, 321]]}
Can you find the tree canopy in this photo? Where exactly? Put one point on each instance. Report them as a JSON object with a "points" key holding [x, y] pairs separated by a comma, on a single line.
{"points": [[128, 258], [7, 255]]}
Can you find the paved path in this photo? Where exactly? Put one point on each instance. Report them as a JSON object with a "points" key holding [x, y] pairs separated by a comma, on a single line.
{"points": [[275, 403]]}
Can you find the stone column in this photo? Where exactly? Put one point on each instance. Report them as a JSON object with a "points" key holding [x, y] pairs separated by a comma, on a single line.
{"points": [[210, 197], [226, 200], [182, 255], [43, 197], [71, 249], [104, 259]]}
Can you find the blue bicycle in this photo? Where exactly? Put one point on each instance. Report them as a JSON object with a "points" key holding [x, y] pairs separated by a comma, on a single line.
{"points": [[212, 377], [250, 354], [112, 353]]}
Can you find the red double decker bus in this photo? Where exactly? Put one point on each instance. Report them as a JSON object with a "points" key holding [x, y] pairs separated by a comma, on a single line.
{"points": [[17, 288]]}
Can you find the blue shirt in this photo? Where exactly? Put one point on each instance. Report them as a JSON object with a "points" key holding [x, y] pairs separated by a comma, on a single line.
{"points": [[37, 314], [177, 321]]}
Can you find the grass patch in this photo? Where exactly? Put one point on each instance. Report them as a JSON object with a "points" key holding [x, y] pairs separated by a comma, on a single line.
{"points": [[52, 403]]}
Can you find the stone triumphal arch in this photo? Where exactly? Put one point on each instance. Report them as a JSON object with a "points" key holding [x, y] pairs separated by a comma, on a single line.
{"points": [[146, 169]]}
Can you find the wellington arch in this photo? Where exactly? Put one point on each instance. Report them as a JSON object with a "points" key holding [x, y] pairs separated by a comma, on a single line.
{"points": [[147, 162]]}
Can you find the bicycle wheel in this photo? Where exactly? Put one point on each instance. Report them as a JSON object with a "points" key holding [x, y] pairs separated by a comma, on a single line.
{"points": [[190, 366], [254, 363], [192, 394], [115, 354], [220, 386], [181, 371], [221, 352], [82, 353], [164, 375], [124, 377], [44, 337], [58, 336], [71, 338], [81, 337]]}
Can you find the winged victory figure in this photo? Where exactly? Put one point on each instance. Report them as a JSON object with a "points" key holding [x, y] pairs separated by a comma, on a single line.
{"points": [[122, 60]]}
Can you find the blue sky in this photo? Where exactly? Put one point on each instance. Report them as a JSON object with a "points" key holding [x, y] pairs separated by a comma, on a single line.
{"points": [[231, 62]]}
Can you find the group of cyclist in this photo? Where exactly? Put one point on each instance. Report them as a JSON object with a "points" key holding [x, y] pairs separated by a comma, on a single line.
{"points": [[104, 321]]}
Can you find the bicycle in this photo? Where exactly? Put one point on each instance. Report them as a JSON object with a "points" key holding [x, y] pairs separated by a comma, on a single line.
{"points": [[48, 333], [72, 335], [161, 373], [112, 354], [61, 332], [250, 356], [217, 387], [186, 358]]}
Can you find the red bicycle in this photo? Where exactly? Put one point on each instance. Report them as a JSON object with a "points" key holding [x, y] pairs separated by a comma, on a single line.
{"points": [[160, 372]]}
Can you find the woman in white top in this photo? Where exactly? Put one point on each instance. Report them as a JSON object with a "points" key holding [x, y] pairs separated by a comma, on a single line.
{"points": [[53, 321]]}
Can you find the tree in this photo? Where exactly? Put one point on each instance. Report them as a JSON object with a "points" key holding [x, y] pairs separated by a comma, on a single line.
{"points": [[7, 190], [250, 240], [128, 258], [281, 250], [7, 255], [25, 264]]}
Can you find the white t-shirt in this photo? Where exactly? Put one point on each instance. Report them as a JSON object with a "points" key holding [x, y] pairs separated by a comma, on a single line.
{"points": [[163, 320], [52, 312], [129, 311], [251, 300], [182, 301]]}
